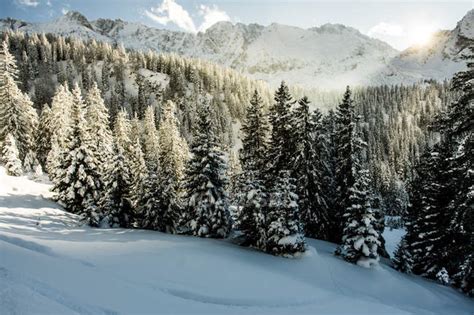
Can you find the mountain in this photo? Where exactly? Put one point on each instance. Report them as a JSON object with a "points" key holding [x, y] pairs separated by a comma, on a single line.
{"points": [[439, 59], [330, 56]]}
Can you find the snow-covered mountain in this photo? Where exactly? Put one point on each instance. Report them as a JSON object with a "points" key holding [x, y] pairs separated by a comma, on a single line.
{"points": [[439, 59], [330, 56]]}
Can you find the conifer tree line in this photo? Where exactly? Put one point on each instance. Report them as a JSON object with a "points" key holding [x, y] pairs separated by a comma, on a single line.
{"points": [[124, 151], [439, 243]]}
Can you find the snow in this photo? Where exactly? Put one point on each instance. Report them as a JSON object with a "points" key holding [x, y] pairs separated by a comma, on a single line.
{"points": [[329, 57], [392, 239], [49, 264]]}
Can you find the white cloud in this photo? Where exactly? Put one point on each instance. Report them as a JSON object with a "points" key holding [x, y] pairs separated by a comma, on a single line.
{"points": [[169, 11], [64, 10], [211, 16], [48, 3], [386, 29], [28, 3]]}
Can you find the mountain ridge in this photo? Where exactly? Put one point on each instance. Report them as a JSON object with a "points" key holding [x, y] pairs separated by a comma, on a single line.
{"points": [[327, 56]]}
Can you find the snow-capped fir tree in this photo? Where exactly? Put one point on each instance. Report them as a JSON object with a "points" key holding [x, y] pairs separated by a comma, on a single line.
{"points": [[255, 131], [60, 126], [307, 167], [379, 225], [327, 164], [284, 234], [77, 181], [234, 172], [252, 197], [30, 162], [122, 129], [97, 117], [116, 204], [43, 136], [138, 169], [206, 209], [164, 213], [281, 146], [345, 171], [251, 220], [427, 220], [402, 260], [360, 240], [151, 145], [10, 157], [17, 115], [458, 128]]}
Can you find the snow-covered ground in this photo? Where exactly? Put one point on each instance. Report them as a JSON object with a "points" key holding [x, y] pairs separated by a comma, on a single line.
{"points": [[50, 265]]}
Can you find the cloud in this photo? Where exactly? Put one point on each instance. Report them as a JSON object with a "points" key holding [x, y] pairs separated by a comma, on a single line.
{"points": [[28, 3], [64, 11], [211, 16], [386, 29], [169, 11]]}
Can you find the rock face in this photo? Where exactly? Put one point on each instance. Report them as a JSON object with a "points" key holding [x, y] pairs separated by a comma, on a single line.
{"points": [[330, 56]]}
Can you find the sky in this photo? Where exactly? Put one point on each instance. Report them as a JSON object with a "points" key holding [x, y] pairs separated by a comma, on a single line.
{"points": [[399, 23]]}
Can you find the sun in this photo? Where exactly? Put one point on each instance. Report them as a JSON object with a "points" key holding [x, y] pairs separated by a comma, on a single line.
{"points": [[421, 35]]}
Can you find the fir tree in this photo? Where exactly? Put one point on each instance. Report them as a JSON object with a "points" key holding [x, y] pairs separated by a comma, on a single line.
{"points": [[402, 260], [426, 224], [43, 137], [116, 205], [164, 213], [307, 167], [255, 137], [345, 171], [17, 115], [284, 231], [10, 157], [77, 180], [281, 147], [360, 240], [97, 117], [151, 145], [206, 205]]}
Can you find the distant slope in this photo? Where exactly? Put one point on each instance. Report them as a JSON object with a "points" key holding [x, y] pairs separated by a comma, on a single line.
{"points": [[49, 264], [330, 56]]}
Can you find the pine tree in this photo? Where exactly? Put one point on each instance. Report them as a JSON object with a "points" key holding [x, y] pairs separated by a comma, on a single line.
{"points": [[281, 147], [44, 134], [97, 117], [164, 213], [402, 260], [77, 181], [459, 130], [307, 169], [151, 144], [284, 231], [426, 224], [17, 115], [206, 205], [116, 205], [10, 157], [345, 171], [360, 240], [251, 220], [255, 131]]}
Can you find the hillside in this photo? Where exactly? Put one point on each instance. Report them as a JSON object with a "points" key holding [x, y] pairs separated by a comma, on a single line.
{"points": [[330, 56], [111, 271]]}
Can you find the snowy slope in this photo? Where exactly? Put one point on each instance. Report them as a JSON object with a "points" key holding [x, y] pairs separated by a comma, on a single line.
{"points": [[49, 264]]}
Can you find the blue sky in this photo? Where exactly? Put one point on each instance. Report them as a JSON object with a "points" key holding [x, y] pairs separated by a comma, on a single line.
{"points": [[400, 23]]}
